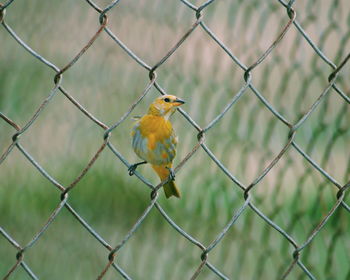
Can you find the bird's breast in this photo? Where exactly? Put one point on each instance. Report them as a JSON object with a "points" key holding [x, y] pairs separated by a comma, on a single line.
{"points": [[155, 125], [154, 140]]}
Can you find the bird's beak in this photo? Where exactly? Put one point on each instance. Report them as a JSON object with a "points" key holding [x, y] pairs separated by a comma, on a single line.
{"points": [[178, 102]]}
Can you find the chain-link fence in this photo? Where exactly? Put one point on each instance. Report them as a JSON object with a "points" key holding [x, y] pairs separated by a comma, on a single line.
{"points": [[264, 153]]}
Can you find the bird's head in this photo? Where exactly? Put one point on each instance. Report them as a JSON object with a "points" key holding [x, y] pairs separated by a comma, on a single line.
{"points": [[165, 105]]}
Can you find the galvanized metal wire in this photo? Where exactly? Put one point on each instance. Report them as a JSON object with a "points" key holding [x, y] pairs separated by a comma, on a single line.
{"points": [[247, 74]]}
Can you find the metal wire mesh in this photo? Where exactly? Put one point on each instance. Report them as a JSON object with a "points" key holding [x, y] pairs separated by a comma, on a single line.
{"points": [[246, 72]]}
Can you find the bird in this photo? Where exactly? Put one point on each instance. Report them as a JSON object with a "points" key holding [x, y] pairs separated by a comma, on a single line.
{"points": [[154, 141]]}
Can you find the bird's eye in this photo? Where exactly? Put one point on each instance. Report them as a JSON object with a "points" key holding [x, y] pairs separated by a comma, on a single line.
{"points": [[166, 99]]}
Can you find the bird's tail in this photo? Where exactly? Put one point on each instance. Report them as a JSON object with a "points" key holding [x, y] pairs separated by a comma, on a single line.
{"points": [[170, 188]]}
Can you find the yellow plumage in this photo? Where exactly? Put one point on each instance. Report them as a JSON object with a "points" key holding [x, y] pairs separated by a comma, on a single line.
{"points": [[154, 140]]}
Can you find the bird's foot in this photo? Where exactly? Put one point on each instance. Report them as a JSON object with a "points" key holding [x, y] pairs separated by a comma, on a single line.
{"points": [[171, 174], [133, 167]]}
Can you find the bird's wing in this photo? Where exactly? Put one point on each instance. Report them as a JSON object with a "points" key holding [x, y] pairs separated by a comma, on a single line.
{"points": [[139, 143], [161, 151]]}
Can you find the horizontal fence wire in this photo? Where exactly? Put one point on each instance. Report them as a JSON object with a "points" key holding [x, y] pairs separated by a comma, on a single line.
{"points": [[247, 78]]}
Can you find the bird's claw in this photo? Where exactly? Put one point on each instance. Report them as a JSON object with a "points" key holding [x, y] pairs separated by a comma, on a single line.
{"points": [[132, 169], [171, 174]]}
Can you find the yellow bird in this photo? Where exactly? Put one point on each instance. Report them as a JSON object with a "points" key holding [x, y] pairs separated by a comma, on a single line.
{"points": [[154, 140]]}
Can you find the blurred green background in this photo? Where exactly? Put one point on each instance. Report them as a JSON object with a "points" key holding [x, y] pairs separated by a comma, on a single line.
{"points": [[106, 81]]}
